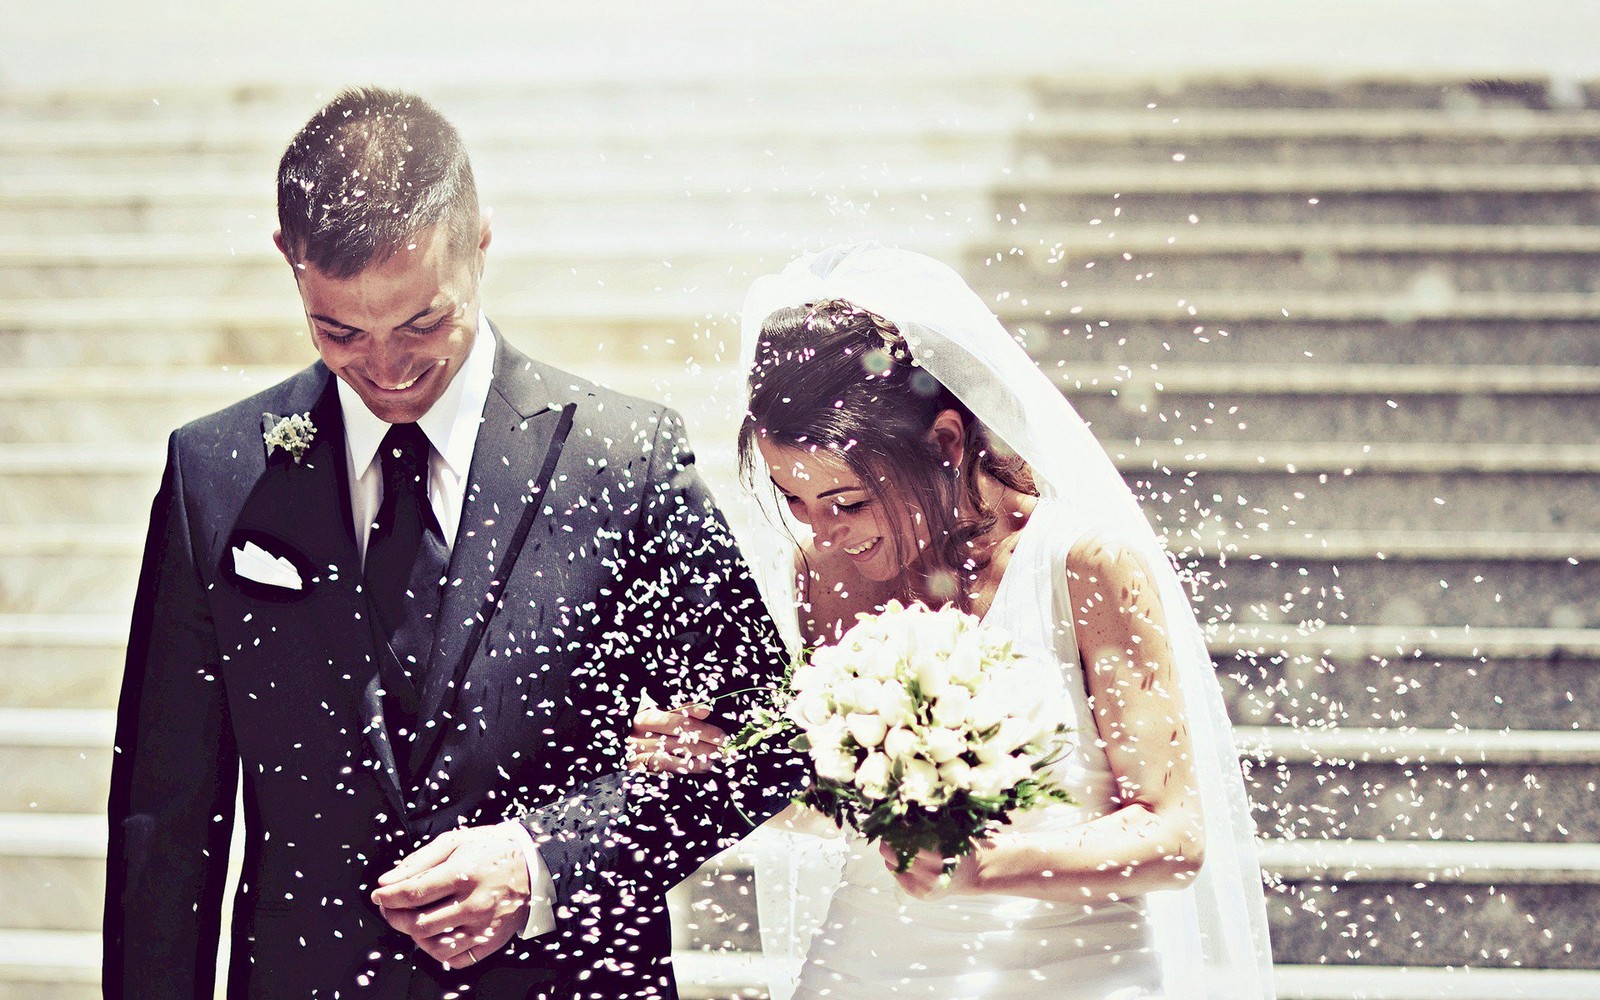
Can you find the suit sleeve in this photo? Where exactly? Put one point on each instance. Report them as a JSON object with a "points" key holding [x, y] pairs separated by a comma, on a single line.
{"points": [[692, 613], [173, 777]]}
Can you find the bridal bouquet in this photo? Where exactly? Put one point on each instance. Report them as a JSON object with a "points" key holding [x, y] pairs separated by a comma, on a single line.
{"points": [[925, 729]]}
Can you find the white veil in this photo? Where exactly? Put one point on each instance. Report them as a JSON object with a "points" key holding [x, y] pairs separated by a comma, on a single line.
{"points": [[955, 337]]}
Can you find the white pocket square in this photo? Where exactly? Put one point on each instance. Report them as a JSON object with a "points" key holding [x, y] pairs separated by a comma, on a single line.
{"points": [[255, 563]]}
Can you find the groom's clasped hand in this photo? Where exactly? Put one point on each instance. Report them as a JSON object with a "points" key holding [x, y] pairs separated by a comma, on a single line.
{"points": [[461, 897]]}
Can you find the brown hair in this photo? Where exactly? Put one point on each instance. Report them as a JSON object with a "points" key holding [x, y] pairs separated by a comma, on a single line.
{"points": [[368, 172], [834, 376]]}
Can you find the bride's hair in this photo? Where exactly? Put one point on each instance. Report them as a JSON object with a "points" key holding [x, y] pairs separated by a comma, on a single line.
{"points": [[833, 376]]}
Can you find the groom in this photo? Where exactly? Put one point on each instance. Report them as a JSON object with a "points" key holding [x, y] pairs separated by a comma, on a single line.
{"points": [[413, 595]]}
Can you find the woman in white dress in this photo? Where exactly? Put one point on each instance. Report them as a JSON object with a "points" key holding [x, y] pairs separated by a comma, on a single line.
{"points": [[891, 414]]}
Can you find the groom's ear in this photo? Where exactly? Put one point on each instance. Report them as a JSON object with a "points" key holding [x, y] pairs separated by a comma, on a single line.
{"points": [[485, 237], [277, 241]]}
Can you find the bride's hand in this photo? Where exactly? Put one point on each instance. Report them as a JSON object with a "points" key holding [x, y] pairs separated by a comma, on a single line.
{"points": [[925, 879], [676, 741]]}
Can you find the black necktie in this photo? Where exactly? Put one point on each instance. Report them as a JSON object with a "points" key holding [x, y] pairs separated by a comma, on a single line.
{"points": [[406, 561]]}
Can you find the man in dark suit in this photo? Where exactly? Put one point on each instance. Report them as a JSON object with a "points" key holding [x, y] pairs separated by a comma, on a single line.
{"points": [[414, 594]]}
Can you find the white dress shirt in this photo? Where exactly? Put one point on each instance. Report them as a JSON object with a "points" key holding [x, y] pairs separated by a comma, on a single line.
{"points": [[451, 426]]}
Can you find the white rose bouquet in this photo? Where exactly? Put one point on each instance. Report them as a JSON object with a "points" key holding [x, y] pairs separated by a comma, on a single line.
{"points": [[925, 730]]}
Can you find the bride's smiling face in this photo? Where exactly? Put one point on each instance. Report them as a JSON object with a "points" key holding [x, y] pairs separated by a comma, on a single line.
{"points": [[846, 519]]}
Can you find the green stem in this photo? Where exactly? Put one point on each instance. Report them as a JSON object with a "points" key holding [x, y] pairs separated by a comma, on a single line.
{"points": [[730, 694]]}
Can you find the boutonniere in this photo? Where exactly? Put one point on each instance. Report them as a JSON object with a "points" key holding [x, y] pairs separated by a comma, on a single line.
{"points": [[292, 433]]}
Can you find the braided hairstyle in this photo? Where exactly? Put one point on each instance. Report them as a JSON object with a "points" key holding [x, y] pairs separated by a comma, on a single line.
{"points": [[836, 377]]}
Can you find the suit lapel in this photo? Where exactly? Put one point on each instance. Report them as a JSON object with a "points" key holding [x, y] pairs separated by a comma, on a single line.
{"points": [[281, 507], [513, 460]]}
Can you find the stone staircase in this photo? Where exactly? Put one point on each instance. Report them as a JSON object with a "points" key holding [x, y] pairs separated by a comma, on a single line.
{"points": [[1342, 334]]}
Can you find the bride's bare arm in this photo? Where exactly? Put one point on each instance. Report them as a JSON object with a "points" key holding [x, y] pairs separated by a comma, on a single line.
{"points": [[1154, 837]]}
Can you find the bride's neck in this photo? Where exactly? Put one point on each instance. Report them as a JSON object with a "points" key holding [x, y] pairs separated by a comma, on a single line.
{"points": [[1010, 509]]}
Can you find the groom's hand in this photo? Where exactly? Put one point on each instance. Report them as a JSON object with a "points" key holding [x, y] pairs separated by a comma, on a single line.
{"points": [[460, 897]]}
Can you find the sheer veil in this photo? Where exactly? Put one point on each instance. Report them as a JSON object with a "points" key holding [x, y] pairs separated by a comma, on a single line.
{"points": [[959, 341]]}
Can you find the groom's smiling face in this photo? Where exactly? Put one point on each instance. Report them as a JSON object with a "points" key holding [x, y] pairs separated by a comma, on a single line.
{"points": [[399, 331]]}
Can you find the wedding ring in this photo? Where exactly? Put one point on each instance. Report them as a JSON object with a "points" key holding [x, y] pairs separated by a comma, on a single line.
{"points": [[472, 956]]}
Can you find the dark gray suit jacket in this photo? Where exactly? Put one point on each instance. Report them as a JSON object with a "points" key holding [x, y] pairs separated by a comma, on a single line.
{"points": [[590, 565]]}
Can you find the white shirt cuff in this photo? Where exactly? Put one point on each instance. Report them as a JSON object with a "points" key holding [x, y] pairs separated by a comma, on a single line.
{"points": [[541, 888]]}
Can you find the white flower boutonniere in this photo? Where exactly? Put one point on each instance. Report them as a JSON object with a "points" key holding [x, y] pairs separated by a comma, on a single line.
{"points": [[292, 433]]}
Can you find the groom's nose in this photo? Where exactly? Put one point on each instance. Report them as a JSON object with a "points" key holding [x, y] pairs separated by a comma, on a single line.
{"points": [[390, 361]]}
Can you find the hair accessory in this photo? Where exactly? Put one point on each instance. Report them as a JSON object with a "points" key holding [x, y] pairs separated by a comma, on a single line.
{"points": [[847, 314]]}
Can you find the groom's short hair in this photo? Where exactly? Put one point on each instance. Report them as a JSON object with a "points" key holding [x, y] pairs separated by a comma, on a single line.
{"points": [[368, 172]]}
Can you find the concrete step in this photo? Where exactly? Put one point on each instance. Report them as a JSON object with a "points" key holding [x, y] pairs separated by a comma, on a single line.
{"points": [[52, 871], [1326, 487], [1195, 405], [96, 406], [61, 965], [1352, 676], [840, 202], [1275, 328], [1376, 260], [1436, 325], [67, 964], [1525, 890], [69, 661], [69, 569], [52, 485], [1312, 195], [546, 140], [1210, 256], [704, 975], [108, 405], [1434, 861], [1398, 785], [1309, 91], [166, 331], [871, 93], [1308, 784], [874, 199], [1309, 487], [718, 267], [1200, 137], [278, 106], [1413, 903], [1404, 578], [1480, 679], [1331, 982], [1351, 902], [871, 89], [58, 760], [1190, 404]]}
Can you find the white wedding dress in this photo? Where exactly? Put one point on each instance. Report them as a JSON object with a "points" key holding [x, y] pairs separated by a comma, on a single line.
{"points": [[878, 942], [833, 922]]}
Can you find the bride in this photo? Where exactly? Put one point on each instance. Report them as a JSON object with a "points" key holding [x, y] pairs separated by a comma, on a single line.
{"points": [[891, 413]]}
